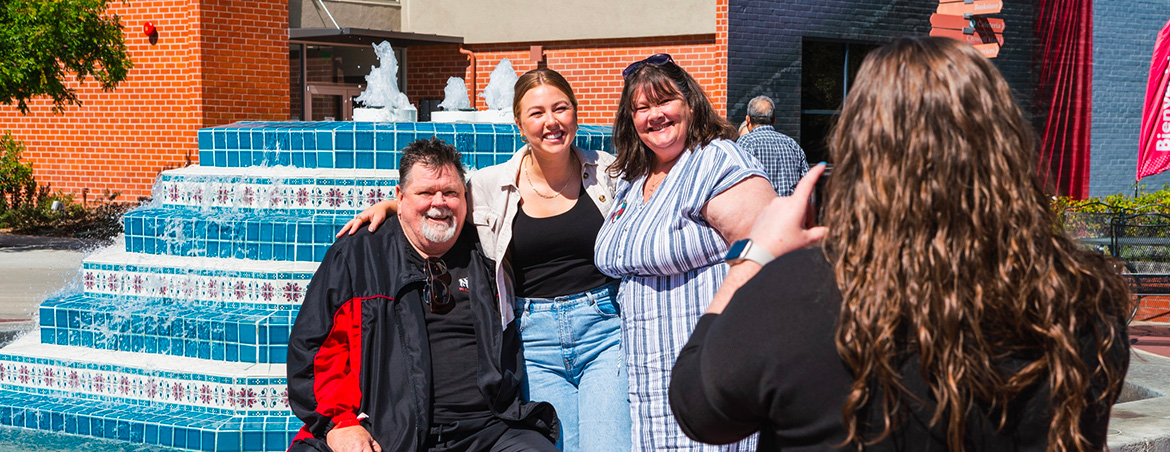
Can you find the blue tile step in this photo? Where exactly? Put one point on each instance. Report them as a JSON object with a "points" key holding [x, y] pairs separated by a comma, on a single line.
{"points": [[171, 427], [346, 145], [113, 272], [232, 332], [362, 145], [76, 374], [249, 234], [303, 191]]}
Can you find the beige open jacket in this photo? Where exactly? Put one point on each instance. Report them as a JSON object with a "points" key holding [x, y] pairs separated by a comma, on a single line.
{"points": [[495, 199]]}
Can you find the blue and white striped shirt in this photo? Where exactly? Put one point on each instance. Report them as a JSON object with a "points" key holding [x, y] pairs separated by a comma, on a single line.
{"points": [[670, 261]]}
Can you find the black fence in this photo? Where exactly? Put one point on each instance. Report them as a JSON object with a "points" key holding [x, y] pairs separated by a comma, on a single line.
{"points": [[1139, 238]]}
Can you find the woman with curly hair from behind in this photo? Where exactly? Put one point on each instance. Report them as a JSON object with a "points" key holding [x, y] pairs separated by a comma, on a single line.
{"points": [[945, 310]]}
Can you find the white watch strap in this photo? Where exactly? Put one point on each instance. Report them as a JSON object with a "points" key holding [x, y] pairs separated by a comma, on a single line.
{"points": [[757, 253]]}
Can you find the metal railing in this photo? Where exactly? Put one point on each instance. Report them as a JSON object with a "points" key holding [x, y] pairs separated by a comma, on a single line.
{"points": [[1137, 237]]}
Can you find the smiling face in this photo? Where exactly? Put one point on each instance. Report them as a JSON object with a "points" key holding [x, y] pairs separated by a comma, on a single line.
{"points": [[547, 119], [431, 208], [662, 122]]}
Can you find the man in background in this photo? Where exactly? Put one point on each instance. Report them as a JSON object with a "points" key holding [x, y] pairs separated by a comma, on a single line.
{"points": [[783, 159]]}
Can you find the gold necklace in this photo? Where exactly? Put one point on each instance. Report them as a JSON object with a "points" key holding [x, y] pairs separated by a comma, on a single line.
{"points": [[650, 189], [556, 192]]}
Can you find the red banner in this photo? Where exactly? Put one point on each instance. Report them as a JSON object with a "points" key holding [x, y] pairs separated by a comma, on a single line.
{"points": [[1154, 142]]}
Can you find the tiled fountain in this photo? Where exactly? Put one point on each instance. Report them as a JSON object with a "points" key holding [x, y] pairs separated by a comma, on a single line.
{"points": [[178, 336]]}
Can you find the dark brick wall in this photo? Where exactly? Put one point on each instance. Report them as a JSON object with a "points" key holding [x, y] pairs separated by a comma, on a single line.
{"points": [[764, 55], [1123, 42]]}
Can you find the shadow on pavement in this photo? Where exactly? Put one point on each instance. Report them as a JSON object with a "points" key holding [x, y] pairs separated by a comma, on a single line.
{"points": [[16, 242]]}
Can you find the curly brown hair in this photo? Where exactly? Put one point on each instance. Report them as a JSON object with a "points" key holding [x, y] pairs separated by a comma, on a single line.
{"points": [[659, 83], [944, 249]]}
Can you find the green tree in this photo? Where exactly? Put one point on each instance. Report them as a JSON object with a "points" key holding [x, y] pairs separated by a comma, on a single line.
{"points": [[18, 187], [42, 41]]}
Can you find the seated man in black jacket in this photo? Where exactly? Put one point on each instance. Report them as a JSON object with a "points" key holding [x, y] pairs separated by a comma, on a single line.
{"points": [[400, 345]]}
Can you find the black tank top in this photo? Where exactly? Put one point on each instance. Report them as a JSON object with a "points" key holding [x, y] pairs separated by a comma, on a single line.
{"points": [[553, 256]]}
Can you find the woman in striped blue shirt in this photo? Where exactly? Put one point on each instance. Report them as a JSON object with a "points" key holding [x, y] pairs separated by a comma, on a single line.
{"points": [[687, 191]]}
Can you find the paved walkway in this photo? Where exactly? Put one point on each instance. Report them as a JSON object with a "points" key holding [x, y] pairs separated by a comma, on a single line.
{"points": [[32, 269], [1153, 337]]}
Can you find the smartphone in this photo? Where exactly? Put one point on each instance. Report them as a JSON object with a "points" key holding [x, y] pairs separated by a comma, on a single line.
{"points": [[815, 215]]}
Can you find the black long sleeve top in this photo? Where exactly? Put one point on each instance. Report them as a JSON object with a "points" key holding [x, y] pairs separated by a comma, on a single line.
{"points": [[769, 363]]}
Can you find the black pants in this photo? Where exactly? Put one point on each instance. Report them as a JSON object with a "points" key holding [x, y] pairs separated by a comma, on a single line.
{"points": [[477, 435], [485, 435]]}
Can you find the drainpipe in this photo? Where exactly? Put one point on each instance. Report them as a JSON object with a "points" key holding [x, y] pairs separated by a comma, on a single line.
{"points": [[471, 60]]}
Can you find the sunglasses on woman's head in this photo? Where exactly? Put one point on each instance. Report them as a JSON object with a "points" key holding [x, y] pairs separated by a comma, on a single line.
{"points": [[436, 293], [657, 59]]}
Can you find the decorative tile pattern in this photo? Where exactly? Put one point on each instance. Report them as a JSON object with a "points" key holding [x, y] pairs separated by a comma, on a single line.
{"points": [[194, 285], [314, 195], [106, 383]]}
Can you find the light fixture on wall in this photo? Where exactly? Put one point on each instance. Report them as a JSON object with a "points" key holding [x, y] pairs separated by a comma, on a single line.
{"points": [[150, 32]]}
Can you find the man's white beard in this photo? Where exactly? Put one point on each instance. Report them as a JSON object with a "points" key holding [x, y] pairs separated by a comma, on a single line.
{"points": [[439, 233]]}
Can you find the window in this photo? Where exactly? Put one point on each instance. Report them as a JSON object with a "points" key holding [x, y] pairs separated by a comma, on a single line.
{"points": [[296, 81], [828, 69], [324, 79]]}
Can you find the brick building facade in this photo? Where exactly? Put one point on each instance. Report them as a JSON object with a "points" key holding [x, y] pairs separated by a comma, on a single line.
{"points": [[217, 62], [214, 62], [592, 67], [1123, 41], [766, 39]]}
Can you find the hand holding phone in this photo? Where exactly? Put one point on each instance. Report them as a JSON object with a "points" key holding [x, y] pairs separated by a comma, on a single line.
{"points": [[781, 226], [815, 215]]}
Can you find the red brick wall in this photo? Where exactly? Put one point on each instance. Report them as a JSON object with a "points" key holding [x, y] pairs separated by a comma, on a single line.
{"points": [[209, 55], [1154, 309], [592, 67], [220, 61], [245, 65]]}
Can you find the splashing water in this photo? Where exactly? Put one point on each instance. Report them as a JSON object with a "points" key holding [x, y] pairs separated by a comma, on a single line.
{"points": [[455, 95], [501, 86], [382, 83], [25, 440]]}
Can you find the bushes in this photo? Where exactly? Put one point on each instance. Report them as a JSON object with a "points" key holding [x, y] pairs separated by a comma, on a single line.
{"points": [[1141, 202], [1071, 213], [18, 188], [26, 207]]}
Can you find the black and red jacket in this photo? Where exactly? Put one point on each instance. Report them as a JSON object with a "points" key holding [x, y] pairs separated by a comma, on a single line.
{"points": [[359, 345]]}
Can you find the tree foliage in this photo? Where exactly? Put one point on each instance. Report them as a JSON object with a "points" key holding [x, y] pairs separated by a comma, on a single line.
{"points": [[43, 41], [18, 187]]}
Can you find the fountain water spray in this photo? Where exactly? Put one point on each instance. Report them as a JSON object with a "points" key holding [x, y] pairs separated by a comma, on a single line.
{"points": [[501, 83], [384, 102], [455, 95], [498, 93]]}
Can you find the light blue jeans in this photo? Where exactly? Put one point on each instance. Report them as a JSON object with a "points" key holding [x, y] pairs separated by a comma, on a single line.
{"points": [[573, 358]]}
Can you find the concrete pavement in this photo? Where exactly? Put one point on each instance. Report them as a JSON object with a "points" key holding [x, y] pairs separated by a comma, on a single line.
{"points": [[31, 269]]}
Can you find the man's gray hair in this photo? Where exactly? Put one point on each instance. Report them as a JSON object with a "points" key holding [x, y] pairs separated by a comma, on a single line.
{"points": [[432, 153], [761, 111]]}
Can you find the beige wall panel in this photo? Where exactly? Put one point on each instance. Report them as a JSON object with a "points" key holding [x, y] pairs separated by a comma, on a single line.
{"points": [[486, 21], [370, 14]]}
